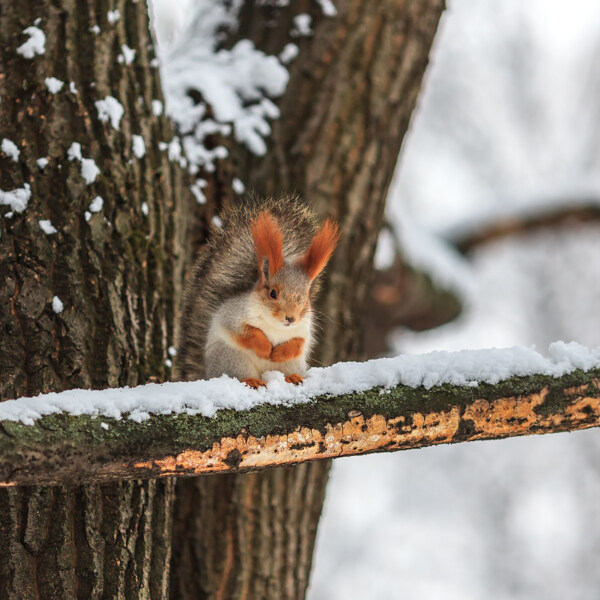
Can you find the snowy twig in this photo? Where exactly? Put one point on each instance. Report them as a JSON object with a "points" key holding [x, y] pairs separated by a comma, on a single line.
{"points": [[62, 449]]}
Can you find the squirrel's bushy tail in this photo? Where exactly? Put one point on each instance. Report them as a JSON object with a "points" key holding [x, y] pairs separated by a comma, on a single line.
{"points": [[227, 266]]}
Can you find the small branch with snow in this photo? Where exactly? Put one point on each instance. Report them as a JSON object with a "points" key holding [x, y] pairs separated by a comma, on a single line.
{"points": [[217, 426]]}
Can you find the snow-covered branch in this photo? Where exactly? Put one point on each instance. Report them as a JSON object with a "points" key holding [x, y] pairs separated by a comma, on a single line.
{"points": [[350, 408]]}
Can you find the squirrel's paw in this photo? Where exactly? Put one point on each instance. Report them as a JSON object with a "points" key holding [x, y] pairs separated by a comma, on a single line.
{"points": [[254, 383], [294, 378]]}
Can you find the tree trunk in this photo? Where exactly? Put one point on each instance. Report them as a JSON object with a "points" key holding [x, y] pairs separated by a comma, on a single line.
{"points": [[347, 107], [89, 301]]}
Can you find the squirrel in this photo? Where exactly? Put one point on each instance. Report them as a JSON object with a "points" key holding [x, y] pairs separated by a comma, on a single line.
{"points": [[247, 308]]}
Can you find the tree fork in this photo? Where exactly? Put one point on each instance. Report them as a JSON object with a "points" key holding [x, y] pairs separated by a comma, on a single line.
{"points": [[63, 449]]}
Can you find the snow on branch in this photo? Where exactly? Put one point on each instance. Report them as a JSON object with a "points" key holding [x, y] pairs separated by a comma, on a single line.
{"points": [[350, 408]]}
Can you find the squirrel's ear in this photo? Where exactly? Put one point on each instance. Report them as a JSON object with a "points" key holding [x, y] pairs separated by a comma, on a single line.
{"points": [[268, 244], [320, 250]]}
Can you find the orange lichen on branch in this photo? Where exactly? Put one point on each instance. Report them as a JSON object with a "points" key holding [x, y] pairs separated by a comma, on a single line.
{"points": [[481, 419]]}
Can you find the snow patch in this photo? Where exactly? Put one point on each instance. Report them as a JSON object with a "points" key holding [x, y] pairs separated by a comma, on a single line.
{"points": [[89, 170], [57, 305], [127, 55], [289, 53], [96, 204], [237, 84], [238, 186], [16, 199], [302, 25], [468, 367], [327, 8], [47, 227], [74, 151], [36, 44], [197, 190], [113, 16], [138, 146], [42, 163], [145, 209], [157, 108], [54, 85], [110, 109], [10, 149]]}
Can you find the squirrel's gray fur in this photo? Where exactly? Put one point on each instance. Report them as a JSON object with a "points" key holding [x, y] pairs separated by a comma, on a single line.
{"points": [[227, 266]]}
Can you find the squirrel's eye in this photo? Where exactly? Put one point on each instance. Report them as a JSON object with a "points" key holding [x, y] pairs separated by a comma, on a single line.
{"points": [[273, 294]]}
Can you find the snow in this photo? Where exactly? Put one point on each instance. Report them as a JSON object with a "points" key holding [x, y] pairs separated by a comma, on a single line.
{"points": [[196, 189], [17, 199], [145, 209], [47, 227], [10, 149], [96, 204], [36, 44], [237, 84], [95, 30], [72, 88], [328, 7], [127, 55], [172, 351], [42, 163], [113, 16], [57, 305], [157, 108], [89, 170], [289, 53], [238, 186], [216, 221], [110, 109], [54, 85], [301, 26], [138, 146], [74, 151], [207, 397]]}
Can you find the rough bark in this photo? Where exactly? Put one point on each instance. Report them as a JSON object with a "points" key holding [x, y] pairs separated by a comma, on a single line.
{"points": [[351, 93], [117, 276], [66, 449]]}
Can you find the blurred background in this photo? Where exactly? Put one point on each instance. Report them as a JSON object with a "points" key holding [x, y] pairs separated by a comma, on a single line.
{"points": [[493, 240]]}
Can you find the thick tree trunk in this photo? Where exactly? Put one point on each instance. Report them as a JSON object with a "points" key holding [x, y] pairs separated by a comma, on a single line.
{"points": [[352, 90], [115, 271]]}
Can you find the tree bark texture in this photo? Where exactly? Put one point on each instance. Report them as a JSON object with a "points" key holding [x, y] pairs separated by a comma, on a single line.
{"points": [[351, 93], [115, 270], [61, 449]]}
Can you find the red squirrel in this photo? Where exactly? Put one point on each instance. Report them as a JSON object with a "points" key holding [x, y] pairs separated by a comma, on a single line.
{"points": [[248, 306]]}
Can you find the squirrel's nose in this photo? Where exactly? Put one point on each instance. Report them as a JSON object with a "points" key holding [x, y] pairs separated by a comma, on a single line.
{"points": [[289, 319]]}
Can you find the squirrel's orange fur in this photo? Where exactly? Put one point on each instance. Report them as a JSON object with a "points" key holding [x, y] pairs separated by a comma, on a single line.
{"points": [[248, 305], [320, 250], [254, 339], [268, 242], [288, 350]]}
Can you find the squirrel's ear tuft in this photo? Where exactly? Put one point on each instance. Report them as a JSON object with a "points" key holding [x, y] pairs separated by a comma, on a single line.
{"points": [[268, 243], [320, 250]]}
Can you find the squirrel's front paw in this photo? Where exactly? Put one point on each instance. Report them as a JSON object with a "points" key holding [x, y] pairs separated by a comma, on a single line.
{"points": [[288, 350], [294, 378], [254, 383]]}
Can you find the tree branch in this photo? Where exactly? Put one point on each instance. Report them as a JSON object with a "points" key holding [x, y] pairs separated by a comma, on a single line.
{"points": [[567, 216], [64, 450]]}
